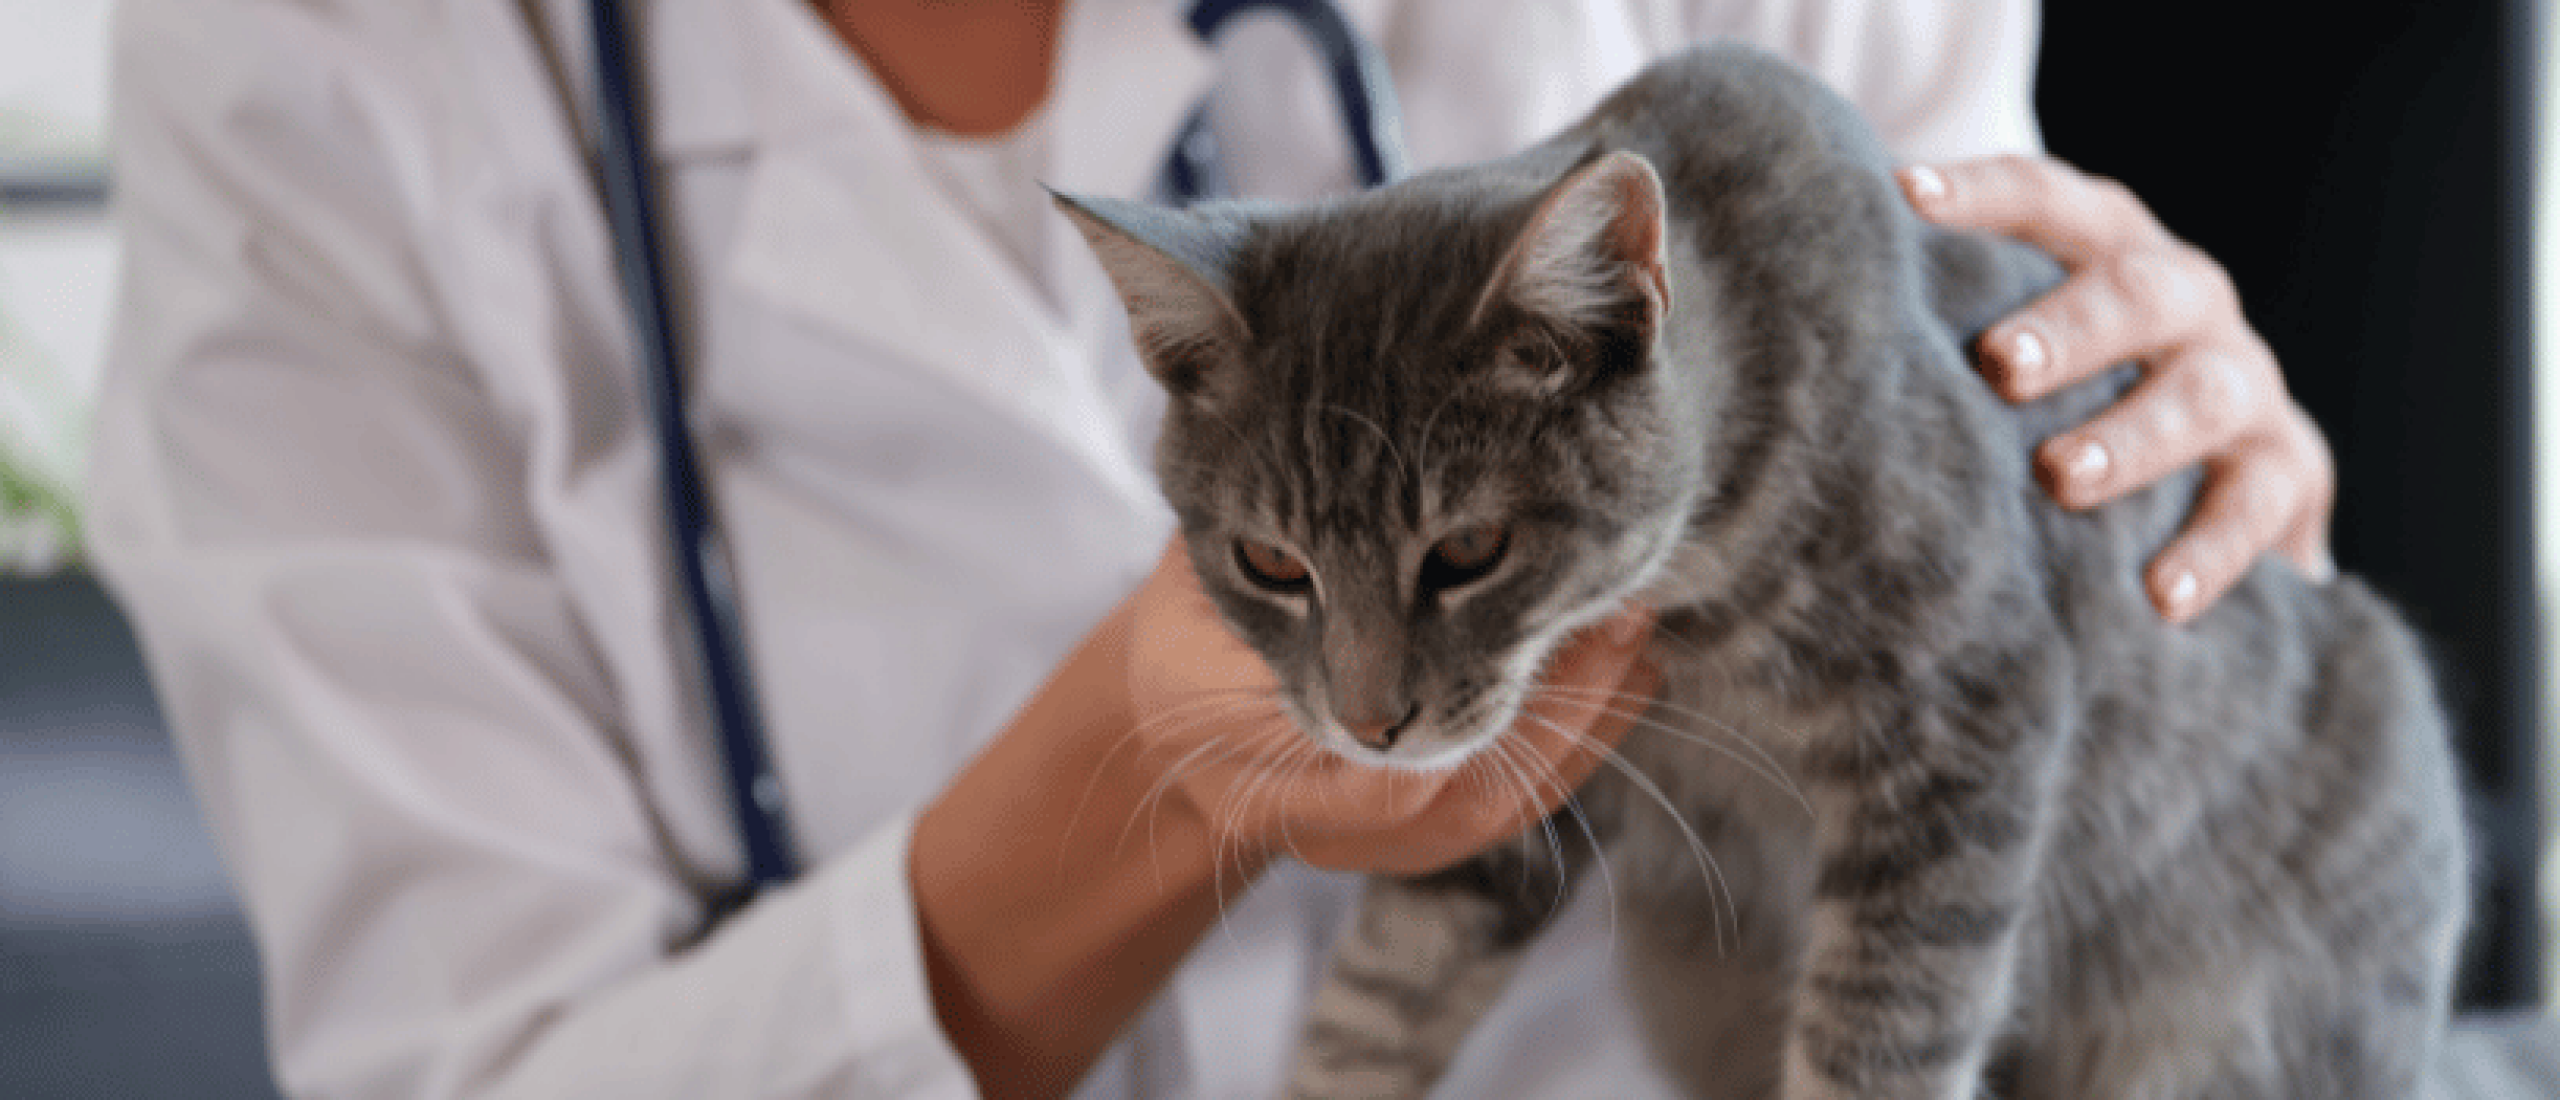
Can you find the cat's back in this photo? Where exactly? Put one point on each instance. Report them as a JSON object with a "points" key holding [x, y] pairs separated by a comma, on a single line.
{"points": [[2270, 786], [1768, 173]]}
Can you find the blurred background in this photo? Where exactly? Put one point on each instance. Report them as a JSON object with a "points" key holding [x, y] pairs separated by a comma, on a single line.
{"points": [[2366, 171], [124, 968]]}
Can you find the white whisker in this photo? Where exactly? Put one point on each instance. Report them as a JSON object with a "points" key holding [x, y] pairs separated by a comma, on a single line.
{"points": [[1708, 868], [1599, 855], [1164, 782], [1239, 795], [1237, 700], [1767, 766], [1546, 822], [1296, 778]]}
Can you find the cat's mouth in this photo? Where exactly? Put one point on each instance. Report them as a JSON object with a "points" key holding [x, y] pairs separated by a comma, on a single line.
{"points": [[1434, 754], [1475, 714], [1436, 739], [1476, 724], [1418, 747]]}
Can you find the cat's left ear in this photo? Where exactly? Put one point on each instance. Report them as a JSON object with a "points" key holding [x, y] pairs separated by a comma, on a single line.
{"points": [[1170, 269], [1591, 256]]}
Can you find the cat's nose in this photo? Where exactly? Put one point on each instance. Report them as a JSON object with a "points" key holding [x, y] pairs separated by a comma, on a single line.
{"points": [[1378, 732]]}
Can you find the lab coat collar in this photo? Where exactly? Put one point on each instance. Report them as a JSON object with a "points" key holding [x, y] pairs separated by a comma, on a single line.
{"points": [[836, 183], [690, 61], [1129, 73], [700, 108]]}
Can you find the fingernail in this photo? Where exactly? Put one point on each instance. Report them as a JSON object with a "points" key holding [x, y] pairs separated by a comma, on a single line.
{"points": [[1925, 184], [2183, 587], [2026, 356], [2088, 465]]}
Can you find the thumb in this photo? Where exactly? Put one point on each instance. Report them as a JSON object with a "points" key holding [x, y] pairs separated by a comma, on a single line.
{"points": [[1598, 685]]}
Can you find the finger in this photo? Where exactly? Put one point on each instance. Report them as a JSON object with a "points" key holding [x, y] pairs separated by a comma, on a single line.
{"points": [[1588, 679], [1197, 636], [1414, 823], [1577, 725], [1625, 703], [2246, 505], [2195, 404], [1377, 796], [1558, 758], [2073, 215], [2139, 304], [2307, 546], [2306, 540]]}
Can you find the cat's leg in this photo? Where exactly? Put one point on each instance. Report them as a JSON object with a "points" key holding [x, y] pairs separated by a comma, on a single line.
{"points": [[1421, 963], [1712, 936], [1714, 1003], [1927, 841]]}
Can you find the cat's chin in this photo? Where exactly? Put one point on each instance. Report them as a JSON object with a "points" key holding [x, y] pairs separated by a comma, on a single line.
{"points": [[1428, 756], [1433, 761], [1429, 753]]}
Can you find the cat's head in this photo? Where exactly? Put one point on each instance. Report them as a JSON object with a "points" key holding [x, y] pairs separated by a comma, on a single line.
{"points": [[1414, 437]]}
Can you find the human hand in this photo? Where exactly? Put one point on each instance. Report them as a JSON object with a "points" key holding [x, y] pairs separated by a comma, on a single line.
{"points": [[1208, 718], [2210, 391], [1045, 926]]}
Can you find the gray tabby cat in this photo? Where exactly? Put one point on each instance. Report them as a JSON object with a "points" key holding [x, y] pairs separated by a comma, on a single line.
{"points": [[1983, 823]]}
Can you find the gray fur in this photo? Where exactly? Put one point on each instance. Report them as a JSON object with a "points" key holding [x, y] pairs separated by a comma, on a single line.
{"points": [[1984, 824]]}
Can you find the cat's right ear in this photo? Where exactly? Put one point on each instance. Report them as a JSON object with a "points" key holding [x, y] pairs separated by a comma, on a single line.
{"points": [[1591, 259], [1170, 268]]}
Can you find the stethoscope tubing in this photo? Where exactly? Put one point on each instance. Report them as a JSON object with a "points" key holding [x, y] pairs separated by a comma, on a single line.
{"points": [[1362, 92], [704, 577], [702, 568]]}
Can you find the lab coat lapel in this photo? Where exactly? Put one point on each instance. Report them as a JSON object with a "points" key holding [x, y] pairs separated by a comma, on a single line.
{"points": [[1129, 74], [836, 184], [694, 104]]}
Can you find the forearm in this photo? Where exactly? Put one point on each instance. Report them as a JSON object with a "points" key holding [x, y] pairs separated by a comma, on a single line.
{"points": [[1047, 922]]}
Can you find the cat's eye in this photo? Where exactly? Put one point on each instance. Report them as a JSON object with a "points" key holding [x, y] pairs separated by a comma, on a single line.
{"points": [[1465, 556], [1271, 567]]}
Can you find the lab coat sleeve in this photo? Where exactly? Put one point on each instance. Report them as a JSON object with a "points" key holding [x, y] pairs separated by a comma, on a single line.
{"points": [[389, 707], [1939, 79]]}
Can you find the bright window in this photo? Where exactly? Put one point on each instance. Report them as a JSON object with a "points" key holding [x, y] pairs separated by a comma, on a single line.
{"points": [[57, 268]]}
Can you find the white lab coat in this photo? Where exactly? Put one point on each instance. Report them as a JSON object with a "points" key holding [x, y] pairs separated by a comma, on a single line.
{"points": [[372, 482]]}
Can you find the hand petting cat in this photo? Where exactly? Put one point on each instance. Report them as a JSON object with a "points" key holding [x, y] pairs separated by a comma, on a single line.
{"points": [[2210, 392]]}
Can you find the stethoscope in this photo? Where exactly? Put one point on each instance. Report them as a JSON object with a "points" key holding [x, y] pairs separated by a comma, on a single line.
{"points": [[702, 564]]}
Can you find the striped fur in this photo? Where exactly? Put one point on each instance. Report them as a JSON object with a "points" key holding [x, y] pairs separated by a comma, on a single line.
{"points": [[1984, 825]]}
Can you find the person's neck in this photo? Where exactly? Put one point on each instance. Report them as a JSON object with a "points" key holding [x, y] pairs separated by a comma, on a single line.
{"points": [[971, 67]]}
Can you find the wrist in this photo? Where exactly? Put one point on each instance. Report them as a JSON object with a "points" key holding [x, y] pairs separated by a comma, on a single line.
{"points": [[1048, 918]]}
